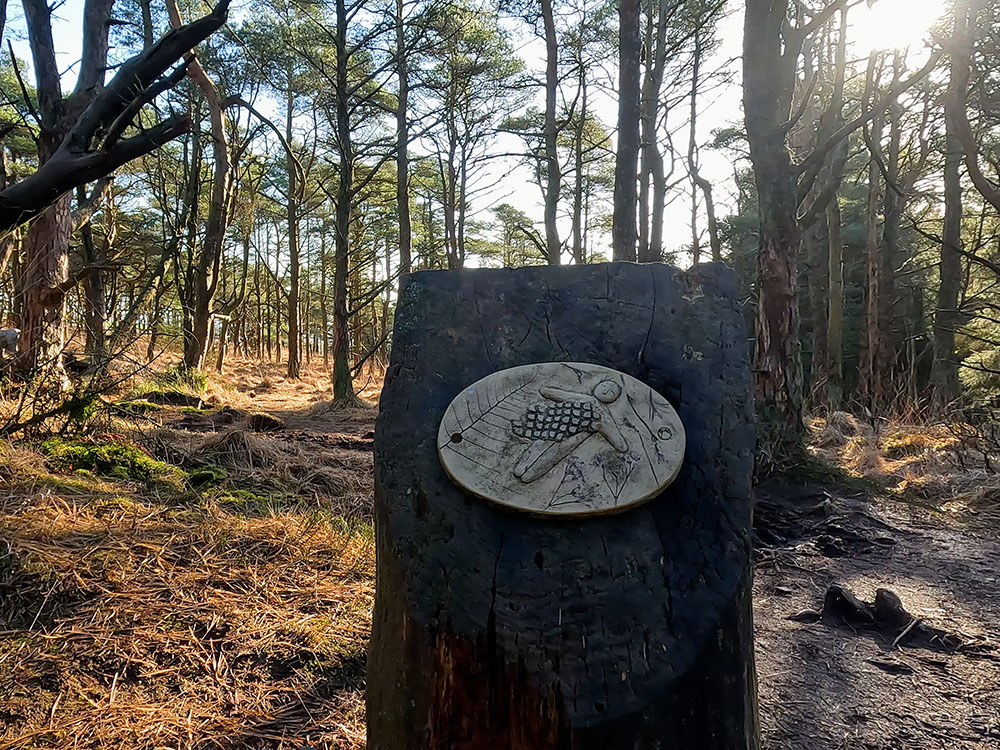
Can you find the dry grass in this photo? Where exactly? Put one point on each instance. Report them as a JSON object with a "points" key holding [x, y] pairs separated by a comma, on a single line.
{"points": [[925, 464], [235, 615], [130, 623]]}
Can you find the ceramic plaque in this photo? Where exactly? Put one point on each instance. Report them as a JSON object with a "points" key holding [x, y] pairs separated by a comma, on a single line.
{"points": [[561, 438]]}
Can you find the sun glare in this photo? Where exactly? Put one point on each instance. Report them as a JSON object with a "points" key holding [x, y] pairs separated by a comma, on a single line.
{"points": [[893, 25]]}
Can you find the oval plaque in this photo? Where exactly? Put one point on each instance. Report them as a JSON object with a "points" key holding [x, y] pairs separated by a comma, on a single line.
{"points": [[561, 438]]}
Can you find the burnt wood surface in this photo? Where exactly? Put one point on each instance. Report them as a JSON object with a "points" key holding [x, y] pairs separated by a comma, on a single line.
{"points": [[495, 629]]}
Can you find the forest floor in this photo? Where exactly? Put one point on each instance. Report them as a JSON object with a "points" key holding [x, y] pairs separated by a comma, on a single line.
{"points": [[208, 583]]}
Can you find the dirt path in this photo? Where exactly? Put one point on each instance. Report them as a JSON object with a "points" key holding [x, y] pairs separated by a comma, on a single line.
{"points": [[826, 687]]}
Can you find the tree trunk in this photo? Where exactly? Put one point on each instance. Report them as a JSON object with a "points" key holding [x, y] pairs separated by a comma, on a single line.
{"points": [[292, 218], [714, 241], [402, 157], [579, 254], [220, 359], [874, 343], [343, 386], [693, 147], [553, 171], [206, 277], [815, 243], [493, 629], [323, 314], [95, 313], [623, 226], [45, 275], [944, 374], [768, 84], [835, 315], [43, 301]]}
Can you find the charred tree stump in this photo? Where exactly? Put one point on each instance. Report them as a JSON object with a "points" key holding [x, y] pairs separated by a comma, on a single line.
{"points": [[496, 629]]}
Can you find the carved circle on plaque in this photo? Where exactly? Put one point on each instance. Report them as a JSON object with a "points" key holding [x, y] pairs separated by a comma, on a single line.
{"points": [[561, 438]]}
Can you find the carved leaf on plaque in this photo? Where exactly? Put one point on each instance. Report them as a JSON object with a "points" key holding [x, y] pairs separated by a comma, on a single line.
{"points": [[561, 438]]}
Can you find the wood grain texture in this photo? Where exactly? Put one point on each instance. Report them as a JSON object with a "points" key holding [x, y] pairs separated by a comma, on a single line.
{"points": [[494, 629]]}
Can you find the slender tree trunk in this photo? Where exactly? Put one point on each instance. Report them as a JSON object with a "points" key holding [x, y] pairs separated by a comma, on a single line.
{"points": [[714, 240], [623, 227], [890, 345], [323, 315], [835, 315], [693, 148], [874, 343], [402, 155], [944, 374], [579, 255], [95, 313], [553, 171], [206, 276], [292, 219], [343, 386], [154, 320], [815, 245], [463, 206], [651, 177], [647, 124]]}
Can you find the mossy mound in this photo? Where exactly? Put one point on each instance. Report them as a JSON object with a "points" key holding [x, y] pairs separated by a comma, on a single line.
{"points": [[117, 460]]}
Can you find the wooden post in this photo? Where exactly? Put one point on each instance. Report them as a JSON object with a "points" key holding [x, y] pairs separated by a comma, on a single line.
{"points": [[496, 629]]}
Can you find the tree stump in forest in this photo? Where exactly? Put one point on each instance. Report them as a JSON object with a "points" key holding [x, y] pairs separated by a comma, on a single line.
{"points": [[494, 628]]}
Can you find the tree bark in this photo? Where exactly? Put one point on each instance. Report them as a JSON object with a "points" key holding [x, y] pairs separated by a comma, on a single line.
{"points": [[768, 85], [623, 226], [493, 629]]}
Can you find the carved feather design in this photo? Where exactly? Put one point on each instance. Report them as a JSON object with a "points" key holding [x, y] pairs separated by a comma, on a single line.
{"points": [[484, 413]]}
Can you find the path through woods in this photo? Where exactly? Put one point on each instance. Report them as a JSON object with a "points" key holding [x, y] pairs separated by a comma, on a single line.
{"points": [[236, 615]]}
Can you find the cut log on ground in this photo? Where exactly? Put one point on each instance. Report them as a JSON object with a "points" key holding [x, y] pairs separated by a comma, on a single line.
{"points": [[496, 629]]}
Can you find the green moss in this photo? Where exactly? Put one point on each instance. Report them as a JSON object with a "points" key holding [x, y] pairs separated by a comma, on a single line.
{"points": [[257, 504], [108, 459], [196, 412]]}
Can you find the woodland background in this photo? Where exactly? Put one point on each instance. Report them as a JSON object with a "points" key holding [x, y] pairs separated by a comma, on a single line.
{"points": [[330, 147]]}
